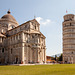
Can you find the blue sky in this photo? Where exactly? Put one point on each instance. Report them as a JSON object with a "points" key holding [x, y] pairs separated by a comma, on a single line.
{"points": [[48, 12]]}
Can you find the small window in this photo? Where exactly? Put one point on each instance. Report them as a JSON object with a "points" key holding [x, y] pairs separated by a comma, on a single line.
{"points": [[11, 38], [32, 36], [70, 24], [28, 45], [12, 27], [25, 26], [35, 27], [2, 50], [11, 51], [72, 52], [35, 34]]}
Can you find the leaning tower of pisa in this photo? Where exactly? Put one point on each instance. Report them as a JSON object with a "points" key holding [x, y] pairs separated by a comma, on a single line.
{"points": [[69, 38]]}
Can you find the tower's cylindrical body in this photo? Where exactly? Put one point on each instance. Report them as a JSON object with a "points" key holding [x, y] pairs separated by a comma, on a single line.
{"points": [[69, 39]]}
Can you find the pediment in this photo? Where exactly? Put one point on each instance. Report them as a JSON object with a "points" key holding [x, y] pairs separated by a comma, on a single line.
{"points": [[35, 21]]}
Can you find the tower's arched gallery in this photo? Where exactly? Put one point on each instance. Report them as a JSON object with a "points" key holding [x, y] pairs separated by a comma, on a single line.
{"points": [[21, 43]]}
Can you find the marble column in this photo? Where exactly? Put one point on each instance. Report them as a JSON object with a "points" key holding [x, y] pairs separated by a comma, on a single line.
{"points": [[22, 48]]}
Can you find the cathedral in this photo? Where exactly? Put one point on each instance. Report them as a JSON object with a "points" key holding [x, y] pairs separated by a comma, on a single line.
{"points": [[21, 44]]}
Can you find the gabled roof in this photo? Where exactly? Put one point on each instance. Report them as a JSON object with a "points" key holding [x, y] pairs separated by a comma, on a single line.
{"points": [[34, 20]]}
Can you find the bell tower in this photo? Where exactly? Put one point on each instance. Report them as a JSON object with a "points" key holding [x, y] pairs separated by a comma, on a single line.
{"points": [[69, 39]]}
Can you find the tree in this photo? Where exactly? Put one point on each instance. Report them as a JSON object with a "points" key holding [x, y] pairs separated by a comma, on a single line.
{"points": [[55, 57], [60, 58]]}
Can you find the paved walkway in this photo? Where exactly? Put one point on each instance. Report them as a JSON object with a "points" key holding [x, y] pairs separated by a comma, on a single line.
{"points": [[31, 64]]}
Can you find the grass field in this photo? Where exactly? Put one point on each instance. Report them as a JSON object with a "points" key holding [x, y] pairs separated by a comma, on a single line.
{"points": [[60, 69]]}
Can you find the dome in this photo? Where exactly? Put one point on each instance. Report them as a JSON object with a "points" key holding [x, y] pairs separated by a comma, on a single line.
{"points": [[9, 17]]}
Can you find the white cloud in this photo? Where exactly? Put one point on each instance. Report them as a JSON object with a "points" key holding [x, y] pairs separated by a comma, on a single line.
{"points": [[43, 21], [38, 19]]}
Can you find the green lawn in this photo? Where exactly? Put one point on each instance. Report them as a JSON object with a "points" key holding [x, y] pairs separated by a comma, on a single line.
{"points": [[60, 69]]}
